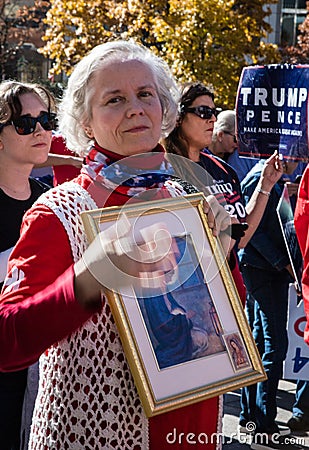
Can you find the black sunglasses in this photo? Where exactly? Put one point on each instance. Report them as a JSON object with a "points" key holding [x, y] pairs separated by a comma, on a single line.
{"points": [[26, 124], [203, 111], [234, 136]]}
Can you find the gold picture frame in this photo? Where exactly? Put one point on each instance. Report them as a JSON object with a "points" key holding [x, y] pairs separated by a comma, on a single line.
{"points": [[200, 363]]}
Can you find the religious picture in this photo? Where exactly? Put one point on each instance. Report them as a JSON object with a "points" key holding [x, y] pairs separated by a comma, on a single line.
{"points": [[183, 323], [174, 323], [236, 351]]}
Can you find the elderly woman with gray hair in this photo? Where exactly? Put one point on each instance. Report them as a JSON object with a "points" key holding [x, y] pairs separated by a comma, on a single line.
{"points": [[120, 100], [224, 143], [224, 139]]}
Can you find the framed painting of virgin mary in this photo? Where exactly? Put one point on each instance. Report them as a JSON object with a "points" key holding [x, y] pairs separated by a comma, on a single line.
{"points": [[175, 339]]}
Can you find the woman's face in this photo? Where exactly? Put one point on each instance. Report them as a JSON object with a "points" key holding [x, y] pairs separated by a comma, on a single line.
{"points": [[31, 148], [233, 344], [198, 131], [125, 108]]}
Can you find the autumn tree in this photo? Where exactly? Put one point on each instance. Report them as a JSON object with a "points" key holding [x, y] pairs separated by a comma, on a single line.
{"points": [[18, 25], [8, 21], [74, 27], [210, 41]]}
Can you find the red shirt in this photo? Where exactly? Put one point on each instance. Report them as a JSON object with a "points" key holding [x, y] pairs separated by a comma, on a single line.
{"points": [[64, 172], [301, 220], [36, 311]]}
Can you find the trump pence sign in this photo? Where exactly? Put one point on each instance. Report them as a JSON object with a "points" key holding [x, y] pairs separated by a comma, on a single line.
{"points": [[272, 111]]}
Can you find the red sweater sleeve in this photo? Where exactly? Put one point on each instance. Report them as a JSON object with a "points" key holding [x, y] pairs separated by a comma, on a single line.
{"points": [[64, 172], [37, 304], [301, 220]]}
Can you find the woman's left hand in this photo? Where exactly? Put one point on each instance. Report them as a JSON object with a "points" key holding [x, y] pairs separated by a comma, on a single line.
{"points": [[220, 222], [218, 218], [272, 172]]}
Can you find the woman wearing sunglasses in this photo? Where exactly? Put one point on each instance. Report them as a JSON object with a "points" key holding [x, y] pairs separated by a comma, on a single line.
{"points": [[190, 139], [26, 124]]}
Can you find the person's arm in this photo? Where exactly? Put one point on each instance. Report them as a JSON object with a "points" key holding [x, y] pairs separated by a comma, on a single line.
{"points": [[32, 325], [61, 160], [37, 304], [264, 239], [45, 297], [255, 208]]}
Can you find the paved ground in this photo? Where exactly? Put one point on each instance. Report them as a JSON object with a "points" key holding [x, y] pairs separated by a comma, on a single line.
{"points": [[233, 440]]}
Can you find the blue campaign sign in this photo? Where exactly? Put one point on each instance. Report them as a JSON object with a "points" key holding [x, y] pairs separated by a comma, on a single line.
{"points": [[272, 111]]}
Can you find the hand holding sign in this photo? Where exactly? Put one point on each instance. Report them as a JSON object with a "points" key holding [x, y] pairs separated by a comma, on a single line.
{"points": [[272, 172]]}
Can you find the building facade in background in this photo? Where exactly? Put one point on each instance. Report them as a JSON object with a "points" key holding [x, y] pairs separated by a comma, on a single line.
{"points": [[285, 19]]}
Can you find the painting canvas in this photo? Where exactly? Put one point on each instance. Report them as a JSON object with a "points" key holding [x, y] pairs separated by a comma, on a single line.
{"points": [[183, 323]]}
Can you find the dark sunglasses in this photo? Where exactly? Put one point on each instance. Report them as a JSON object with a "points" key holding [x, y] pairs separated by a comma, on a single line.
{"points": [[26, 124], [203, 111], [234, 136]]}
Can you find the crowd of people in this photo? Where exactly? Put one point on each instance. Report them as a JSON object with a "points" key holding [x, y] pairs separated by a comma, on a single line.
{"points": [[267, 273], [125, 132]]}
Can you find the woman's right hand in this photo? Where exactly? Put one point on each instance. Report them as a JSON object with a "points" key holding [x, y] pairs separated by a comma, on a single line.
{"points": [[114, 260]]}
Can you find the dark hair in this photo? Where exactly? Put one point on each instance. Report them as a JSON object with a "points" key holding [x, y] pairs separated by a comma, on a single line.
{"points": [[191, 91], [234, 341], [175, 142], [10, 93]]}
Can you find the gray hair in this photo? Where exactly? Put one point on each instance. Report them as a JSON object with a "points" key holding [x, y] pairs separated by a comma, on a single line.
{"points": [[75, 111], [226, 122]]}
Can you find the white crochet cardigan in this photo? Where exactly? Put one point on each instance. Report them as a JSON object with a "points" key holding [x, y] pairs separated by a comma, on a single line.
{"points": [[86, 398]]}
